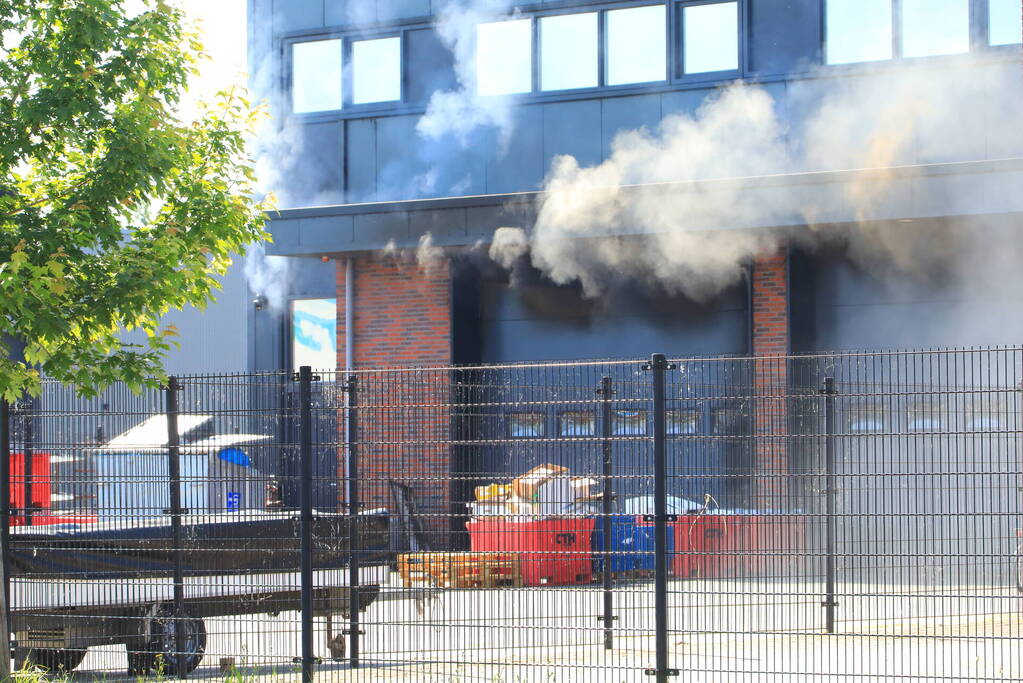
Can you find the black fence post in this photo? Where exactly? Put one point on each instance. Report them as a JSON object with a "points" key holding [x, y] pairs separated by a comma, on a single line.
{"points": [[28, 460], [353, 521], [175, 511], [830, 491], [658, 365], [5, 531], [605, 392], [305, 452]]}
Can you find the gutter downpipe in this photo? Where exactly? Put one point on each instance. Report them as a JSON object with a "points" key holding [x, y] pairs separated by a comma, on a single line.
{"points": [[349, 354], [349, 289]]}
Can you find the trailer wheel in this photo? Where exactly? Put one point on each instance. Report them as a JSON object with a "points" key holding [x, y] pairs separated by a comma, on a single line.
{"points": [[51, 661], [154, 649]]}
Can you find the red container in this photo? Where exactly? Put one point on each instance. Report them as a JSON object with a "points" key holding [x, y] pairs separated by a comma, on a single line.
{"points": [[711, 545], [553, 551], [776, 541], [40, 484], [45, 518]]}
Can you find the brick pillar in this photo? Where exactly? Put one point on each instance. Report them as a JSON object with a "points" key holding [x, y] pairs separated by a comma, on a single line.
{"points": [[770, 377], [402, 320]]}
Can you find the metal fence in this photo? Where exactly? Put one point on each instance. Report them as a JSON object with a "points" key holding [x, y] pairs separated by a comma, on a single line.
{"points": [[846, 516]]}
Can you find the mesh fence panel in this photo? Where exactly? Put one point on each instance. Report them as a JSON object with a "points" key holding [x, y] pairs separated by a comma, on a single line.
{"points": [[846, 516]]}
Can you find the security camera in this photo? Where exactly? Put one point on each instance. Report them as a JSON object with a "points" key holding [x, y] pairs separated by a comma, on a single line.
{"points": [[259, 302]]}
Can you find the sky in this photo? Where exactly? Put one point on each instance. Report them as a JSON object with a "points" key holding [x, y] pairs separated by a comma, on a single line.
{"points": [[222, 23]]}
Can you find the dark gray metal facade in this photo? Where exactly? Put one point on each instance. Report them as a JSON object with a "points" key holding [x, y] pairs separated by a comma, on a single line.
{"points": [[350, 183]]}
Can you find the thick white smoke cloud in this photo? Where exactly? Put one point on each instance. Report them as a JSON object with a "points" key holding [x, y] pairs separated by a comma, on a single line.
{"points": [[704, 190]]}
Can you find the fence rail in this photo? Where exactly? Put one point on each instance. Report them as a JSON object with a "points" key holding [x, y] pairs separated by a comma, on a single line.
{"points": [[806, 517]]}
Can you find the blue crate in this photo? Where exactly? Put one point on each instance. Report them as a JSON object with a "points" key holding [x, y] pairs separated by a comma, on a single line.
{"points": [[632, 541]]}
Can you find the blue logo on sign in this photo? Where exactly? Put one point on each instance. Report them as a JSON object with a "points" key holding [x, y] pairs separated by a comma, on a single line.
{"points": [[234, 500]]}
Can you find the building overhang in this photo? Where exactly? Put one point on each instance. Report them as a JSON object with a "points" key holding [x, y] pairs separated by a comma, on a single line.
{"points": [[782, 201]]}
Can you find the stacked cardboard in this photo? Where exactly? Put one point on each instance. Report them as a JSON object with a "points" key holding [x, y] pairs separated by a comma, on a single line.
{"points": [[544, 492]]}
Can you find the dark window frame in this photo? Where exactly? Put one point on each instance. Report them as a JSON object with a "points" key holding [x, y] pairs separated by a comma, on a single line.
{"points": [[981, 15], [926, 415], [543, 425], [534, 75], [862, 413], [696, 412], [679, 74], [674, 79], [563, 413], [979, 32], [537, 55], [348, 106], [669, 41], [288, 75], [616, 422]]}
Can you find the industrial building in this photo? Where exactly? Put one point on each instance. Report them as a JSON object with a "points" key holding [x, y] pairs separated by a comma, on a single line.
{"points": [[856, 192], [355, 91]]}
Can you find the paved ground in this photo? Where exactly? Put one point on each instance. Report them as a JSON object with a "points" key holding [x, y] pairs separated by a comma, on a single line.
{"points": [[722, 631]]}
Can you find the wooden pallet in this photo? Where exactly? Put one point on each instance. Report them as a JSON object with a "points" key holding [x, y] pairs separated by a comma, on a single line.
{"points": [[461, 570], [626, 575]]}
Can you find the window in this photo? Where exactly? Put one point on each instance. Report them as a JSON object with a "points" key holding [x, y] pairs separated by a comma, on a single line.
{"points": [[935, 27], [504, 61], [525, 425], [986, 416], [924, 416], [568, 51], [376, 70], [1005, 22], [858, 31], [577, 423], [636, 45], [710, 37], [314, 333], [316, 76], [864, 418], [862, 30], [678, 422], [727, 422], [628, 422]]}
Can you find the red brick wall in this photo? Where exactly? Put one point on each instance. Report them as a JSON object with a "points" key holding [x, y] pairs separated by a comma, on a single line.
{"points": [[402, 313], [770, 382], [402, 319]]}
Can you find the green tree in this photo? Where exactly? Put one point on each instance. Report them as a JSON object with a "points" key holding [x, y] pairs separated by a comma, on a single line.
{"points": [[113, 210]]}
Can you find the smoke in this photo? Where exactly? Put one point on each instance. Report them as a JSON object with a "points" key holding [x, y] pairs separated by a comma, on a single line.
{"points": [[459, 113], [429, 256], [267, 275], [685, 206], [577, 232], [508, 246], [960, 111]]}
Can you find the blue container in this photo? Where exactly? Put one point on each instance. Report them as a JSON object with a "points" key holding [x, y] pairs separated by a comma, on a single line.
{"points": [[632, 544]]}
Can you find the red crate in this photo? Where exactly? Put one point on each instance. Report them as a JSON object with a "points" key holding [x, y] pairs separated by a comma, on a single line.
{"points": [[553, 551], [711, 545]]}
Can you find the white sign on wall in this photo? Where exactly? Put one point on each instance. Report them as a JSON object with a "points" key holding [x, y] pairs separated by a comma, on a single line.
{"points": [[314, 333]]}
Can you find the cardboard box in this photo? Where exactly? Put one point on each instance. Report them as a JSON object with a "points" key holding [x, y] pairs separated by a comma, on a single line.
{"points": [[582, 487], [493, 492], [525, 486], [553, 497]]}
